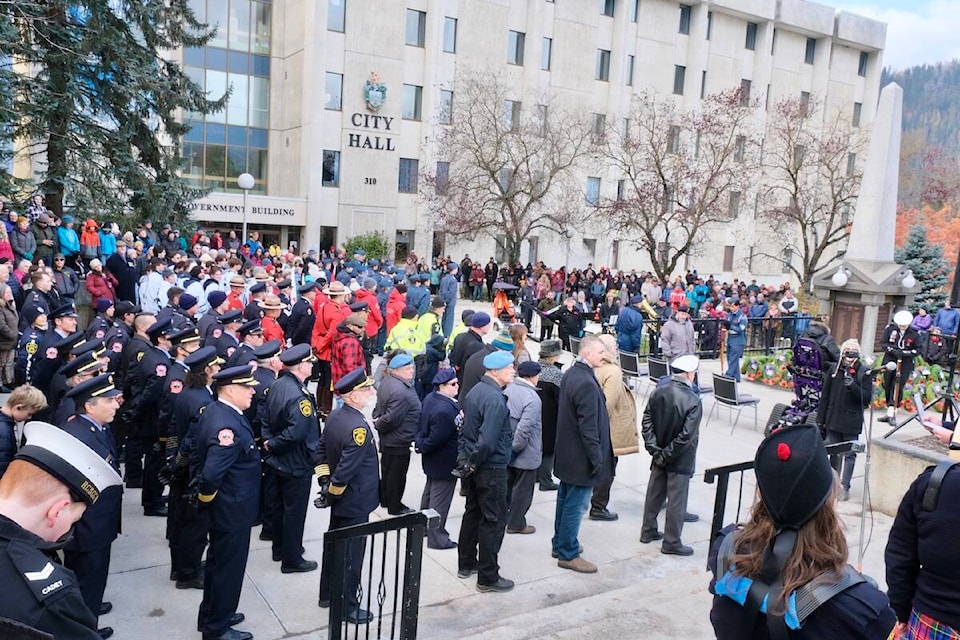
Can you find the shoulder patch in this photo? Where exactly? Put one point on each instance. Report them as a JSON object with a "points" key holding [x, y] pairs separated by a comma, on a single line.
{"points": [[306, 409], [176, 386], [50, 353], [359, 436], [225, 437], [140, 356], [32, 347], [117, 347], [100, 333], [161, 370], [217, 333], [43, 578]]}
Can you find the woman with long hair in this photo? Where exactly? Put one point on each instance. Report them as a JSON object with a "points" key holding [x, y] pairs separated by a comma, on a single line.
{"points": [[790, 553], [9, 322], [518, 332]]}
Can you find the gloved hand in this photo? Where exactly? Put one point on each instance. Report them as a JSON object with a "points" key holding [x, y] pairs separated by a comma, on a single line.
{"points": [[594, 470], [323, 497], [848, 381], [659, 460], [463, 470]]}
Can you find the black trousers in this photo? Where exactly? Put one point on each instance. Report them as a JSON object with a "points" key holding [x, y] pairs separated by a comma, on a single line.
{"points": [[268, 505], [223, 579], [133, 461], [893, 387], [484, 522], [146, 475], [354, 563], [290, 499], [520, 485], [91, 569], [324, 392], [175, 512], [601, 492], [192, 542], [394, 464]]}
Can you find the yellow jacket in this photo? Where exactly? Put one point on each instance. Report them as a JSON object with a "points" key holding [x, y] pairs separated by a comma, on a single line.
{"points": [[428, 326], [406, 335]]}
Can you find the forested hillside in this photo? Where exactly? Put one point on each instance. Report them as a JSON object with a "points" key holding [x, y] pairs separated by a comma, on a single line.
{"points": [[931, 106]]}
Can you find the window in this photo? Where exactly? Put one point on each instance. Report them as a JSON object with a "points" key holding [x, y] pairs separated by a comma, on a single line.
{"points": [[673, 139], [336, 15], [546, 53], [592, 195], [685, 11], [505, 178], [630, 60], [542, 119], [450, 35], [412, 102], [703, 84], [862, 68], [445, 109], [740, 149], [804, 103], [599, 126], [811, 53], [857, 110], [663, 248], [799, 152], [728, 258], [511, 115], [334, 96], [443, 178], [606, 7], [331, 168], [634, 10], [679, 76], [851, 164], [603, 65], [626, 128], [515, 48], [733, 207], [621, 189], [408, 175], [416, 27], [787, 259], [745, 92], [751, 41], [669, 198]]}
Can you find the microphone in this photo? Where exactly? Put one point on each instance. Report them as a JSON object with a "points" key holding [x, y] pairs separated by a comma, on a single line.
{"points": [[890, 366]]}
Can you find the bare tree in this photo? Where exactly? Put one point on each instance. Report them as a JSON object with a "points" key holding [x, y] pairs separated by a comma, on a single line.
{"points": [[683, 171], [510, 165], [813, 179]]}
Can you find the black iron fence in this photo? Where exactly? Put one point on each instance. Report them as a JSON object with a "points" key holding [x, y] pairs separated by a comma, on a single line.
{"points": [[721, 475], [387, 598]]}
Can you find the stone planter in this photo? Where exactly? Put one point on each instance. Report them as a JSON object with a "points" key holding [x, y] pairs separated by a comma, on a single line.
{"points": [[894, 465]]}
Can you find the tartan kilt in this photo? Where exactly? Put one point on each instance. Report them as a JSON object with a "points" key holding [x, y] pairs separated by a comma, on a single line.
{"points": [[923, 627]]}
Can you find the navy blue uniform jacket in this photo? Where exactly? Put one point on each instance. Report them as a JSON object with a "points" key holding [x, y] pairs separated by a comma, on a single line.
{"points": [[347, 448], [440, 420]]}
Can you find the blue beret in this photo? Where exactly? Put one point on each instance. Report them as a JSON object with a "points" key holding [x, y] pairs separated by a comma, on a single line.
{"points": [[444, 376], [401, 360], [480, 319], [498, 360]]}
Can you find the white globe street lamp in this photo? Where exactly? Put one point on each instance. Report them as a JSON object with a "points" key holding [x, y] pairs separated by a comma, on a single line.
{"points": [[840, 278], [245, 181]]}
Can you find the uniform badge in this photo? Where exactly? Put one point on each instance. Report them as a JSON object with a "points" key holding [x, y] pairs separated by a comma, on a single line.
{"points": [[176, 386], [117, 347], [32, 347], [359, 436], [100, 333], [50, 353], [305, 408], [225, 437], [140, 356], [217, 333], [161, 370]]}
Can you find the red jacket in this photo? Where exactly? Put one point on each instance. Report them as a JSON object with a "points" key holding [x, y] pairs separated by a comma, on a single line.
{"points": [[346, 353], [375, 318], [101, 285], [324, 329], [272, 330], [395, 304]]}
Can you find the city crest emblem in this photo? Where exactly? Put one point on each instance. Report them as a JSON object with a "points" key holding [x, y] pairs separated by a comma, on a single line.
{"points": [[374, 92]]}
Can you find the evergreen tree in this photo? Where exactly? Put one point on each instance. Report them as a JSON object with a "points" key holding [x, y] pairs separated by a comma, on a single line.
{"points": [[928, 266], [95, 101]]}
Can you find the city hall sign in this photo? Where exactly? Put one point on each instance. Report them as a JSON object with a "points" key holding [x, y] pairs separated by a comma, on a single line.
{"points": [[374, 128]]}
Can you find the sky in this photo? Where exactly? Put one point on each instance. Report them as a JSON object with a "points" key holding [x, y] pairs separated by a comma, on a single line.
{"points": [[918, 31]]}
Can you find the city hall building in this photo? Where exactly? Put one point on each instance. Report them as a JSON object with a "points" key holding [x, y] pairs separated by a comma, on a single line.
{"points": [[337, 105]]}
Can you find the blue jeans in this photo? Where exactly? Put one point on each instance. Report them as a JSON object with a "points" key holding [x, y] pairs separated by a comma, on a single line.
{"points": [[572, 504], [734, 353], [477, 292]]}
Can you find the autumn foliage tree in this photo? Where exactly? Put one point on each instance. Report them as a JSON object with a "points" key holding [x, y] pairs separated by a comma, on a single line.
{"points": [[683, 172], [510, 166], [942, 226]]}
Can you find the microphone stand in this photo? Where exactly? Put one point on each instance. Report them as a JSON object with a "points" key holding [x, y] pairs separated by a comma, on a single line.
{"points": [[868, 448]]}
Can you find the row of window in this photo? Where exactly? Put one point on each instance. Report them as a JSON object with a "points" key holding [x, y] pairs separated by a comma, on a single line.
{"points": [[408, 175], [241, 25]]}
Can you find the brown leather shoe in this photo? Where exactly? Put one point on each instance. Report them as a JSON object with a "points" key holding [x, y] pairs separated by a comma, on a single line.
{"points": [[527, 530], [578, 564]]}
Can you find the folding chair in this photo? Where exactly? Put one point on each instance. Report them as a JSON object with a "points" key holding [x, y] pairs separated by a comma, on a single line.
{"points": [[630, 365], [725, 392], [656, 368], [575, 346]]}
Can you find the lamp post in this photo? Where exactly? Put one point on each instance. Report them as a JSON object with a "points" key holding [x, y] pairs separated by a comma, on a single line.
{"points": [[245, 181]]}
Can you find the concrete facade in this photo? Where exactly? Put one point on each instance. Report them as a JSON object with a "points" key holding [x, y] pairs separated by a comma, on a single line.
{"points": [[845, 70]]}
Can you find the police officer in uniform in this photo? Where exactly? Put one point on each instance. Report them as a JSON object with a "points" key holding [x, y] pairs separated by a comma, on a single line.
{"points": [[349, 477], [69, 478], [101, 323], [183, 342], [736, 325], [82, 368], [151, 372], [87, 554], [300, 324], [128, 380], [291, 443], [187, 534], [283, 288], [268, 369], [25, 364], [251, 336], [120, 333], [229, 339], [253, 310], [228, 492], [209, 324], [56, 344]]}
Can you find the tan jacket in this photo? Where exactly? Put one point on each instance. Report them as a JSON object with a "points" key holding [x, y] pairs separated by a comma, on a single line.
{"points": [[622, 408]]}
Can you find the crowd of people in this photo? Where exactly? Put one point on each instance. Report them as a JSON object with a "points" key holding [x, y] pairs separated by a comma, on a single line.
{"points": [[194, 372]]}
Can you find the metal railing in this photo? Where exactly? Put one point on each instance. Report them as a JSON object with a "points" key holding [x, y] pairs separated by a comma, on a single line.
{"points": [[721, 475], [389, 576]]}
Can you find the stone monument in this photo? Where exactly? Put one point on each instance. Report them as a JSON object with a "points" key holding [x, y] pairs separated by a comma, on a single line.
{"points": [[862, 294]]}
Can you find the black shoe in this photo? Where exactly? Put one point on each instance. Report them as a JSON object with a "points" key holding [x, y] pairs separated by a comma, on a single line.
{"points": [[691, 517], [652, 538], [359, 616], [229, 634], [605, 515], [174, 575], [266, 536], [236, 619], [404, 510], [157, 512], [549, 487], [134, 484], [466, 573], [682, 550], [277, 556], [324, 604], [305, 566], [500, 585], [883, 419], [193, 583], [449, 545], [105, 608], [105, 632]]}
